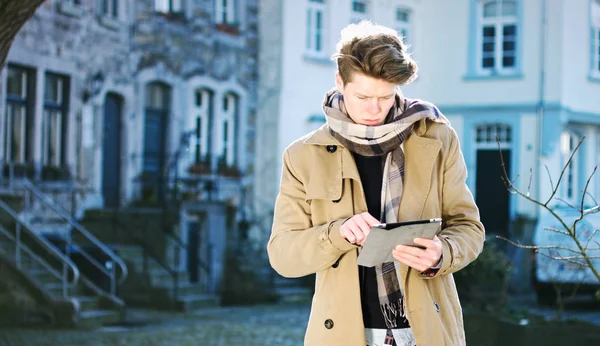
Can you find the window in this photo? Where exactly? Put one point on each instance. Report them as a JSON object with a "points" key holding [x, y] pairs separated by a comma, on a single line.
{"points": [[226, 11], [403, 22], [359, 10], [109, 8], [497, 37], [595, 46], [204, 119], [55, 119], [228, 128], [167, 6], [20, 90], [569, 184], [314, 27]]}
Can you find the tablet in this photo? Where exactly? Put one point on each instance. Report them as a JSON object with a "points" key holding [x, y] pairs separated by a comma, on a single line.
{"points": [[393, 225]]}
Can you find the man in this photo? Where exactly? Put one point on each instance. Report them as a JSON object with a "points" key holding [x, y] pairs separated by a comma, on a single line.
{"points": [[380, 158]]}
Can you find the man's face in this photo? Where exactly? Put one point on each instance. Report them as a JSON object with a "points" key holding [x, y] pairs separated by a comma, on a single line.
{"points": [[367, 100]]}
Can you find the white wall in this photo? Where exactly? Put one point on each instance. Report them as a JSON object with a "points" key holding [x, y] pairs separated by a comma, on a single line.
{"points": [[578, 92]]}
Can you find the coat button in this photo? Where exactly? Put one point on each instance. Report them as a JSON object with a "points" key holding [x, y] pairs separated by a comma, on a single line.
{"points": [[331, 148], [328, 324]]}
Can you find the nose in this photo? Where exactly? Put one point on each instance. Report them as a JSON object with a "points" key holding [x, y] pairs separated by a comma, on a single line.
{"points": [[374, 107]]}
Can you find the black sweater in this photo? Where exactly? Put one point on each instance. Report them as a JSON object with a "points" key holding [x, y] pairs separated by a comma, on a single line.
{"points": [[371, 175]]}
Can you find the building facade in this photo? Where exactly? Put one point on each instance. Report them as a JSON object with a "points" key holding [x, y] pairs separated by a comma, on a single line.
{"points": [[131, 98], [517, 76]]}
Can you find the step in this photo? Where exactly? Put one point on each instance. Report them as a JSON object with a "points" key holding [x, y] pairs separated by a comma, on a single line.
{"points": [[56, 289], [43, 276], [87, 303], [160, 276], [184, 289], [197, 301], [153, 266], [97, 318]]}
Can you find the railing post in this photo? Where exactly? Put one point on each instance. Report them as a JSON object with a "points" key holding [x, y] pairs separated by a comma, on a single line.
{"points": [[68, 244], [18, 249], [73, 201], [113, 279]]}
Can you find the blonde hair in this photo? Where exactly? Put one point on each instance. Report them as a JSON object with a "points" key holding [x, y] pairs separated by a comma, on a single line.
{"points": [[375, 51]]}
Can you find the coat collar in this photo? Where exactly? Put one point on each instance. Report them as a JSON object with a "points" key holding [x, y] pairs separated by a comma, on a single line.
{"points": [[323, 136]]}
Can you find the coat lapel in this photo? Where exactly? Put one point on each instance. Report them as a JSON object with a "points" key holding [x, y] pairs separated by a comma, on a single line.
{"points": [[420, 155]]}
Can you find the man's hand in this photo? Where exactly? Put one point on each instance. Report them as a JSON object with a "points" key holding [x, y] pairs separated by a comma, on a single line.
{"points": [[357, 228], [420, 259]]}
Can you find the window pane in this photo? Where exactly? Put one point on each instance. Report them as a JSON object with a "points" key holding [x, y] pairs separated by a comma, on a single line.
{"points": [[509, 30], [161, 6], [508, 46], [402, 15], [359, 6], [318, 31], [115, 8], [508, 61], [490, 9], [488, 47], [509, 8], [225, 130], [489, 32], [53, 89], [308, 28], [488, 62], [16, 82]]}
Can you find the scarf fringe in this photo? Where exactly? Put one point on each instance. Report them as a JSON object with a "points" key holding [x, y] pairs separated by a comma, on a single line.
{"points": [[390, 312]]}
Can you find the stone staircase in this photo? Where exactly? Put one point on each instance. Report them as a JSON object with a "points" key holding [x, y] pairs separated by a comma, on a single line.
{"points": [[96, 305], [153, 284], [93, 310], [292, 290], [152, 272]]}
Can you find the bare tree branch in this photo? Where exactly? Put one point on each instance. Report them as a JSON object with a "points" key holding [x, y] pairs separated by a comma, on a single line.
{"points": [[585, 265]]}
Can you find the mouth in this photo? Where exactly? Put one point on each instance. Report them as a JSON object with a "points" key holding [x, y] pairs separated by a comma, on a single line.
{"points": [[371, 121]]}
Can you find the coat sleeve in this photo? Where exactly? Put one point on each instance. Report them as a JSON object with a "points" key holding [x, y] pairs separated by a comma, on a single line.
{"points": [[297, 247], [463, 234]]}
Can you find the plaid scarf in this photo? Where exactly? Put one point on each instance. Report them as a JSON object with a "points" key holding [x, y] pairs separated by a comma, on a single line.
{"points": [[385, 139]]}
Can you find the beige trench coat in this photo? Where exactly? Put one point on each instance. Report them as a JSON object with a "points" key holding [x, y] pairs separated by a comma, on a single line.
{"points": [[321, 188]]}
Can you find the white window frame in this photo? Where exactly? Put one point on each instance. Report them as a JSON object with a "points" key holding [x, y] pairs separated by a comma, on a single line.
{"points": [[570, 181], [168, 6], [202, 112], [487, 133], [315, 8], [357, 16], [228, 117], [498, 23], [227, 12], [595, 38], [403, 26]]}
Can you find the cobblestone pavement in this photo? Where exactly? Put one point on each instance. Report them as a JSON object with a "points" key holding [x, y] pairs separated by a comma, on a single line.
{"points": [[223, 326]]}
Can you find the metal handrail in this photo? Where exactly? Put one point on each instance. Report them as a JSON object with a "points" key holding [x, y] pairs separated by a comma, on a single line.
{"points": [[60, 212], [45, 244]]}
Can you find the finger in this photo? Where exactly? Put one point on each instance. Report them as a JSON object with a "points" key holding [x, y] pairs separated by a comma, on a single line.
{"points": [[426, 261], [370, 219], [428, 243], [410, 261], [413, 250], [362, 224]]}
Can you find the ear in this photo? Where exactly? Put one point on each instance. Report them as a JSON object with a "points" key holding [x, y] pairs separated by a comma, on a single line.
{"points": [[339, 83]]}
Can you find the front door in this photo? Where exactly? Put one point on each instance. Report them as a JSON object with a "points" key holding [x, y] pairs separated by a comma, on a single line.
{"points": [[492, 196], [111, 144]]}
